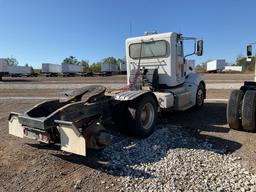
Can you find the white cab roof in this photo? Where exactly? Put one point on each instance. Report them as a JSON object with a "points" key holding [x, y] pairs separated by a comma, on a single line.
{"points": [[147, 37]]}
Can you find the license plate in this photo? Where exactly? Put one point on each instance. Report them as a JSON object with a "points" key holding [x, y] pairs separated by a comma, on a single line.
{"points": [[36, 135]]}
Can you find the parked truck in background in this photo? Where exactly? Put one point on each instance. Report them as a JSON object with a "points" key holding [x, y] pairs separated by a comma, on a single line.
{"points": [[215, 66], [157, 79]]}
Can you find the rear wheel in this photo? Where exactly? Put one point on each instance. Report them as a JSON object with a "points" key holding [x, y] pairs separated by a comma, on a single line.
{"points": [[142, 115], [234, 108], [249, 111]]}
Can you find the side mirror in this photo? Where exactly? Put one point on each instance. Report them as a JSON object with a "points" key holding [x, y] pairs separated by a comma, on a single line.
{"points": [[199, 47], [249, 51]]}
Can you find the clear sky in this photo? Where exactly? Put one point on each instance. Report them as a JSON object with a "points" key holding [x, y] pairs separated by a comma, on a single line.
{"points": [[36, 31]]}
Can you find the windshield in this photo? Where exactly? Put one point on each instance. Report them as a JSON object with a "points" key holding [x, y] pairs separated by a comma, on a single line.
{"points": [[149, 49]]}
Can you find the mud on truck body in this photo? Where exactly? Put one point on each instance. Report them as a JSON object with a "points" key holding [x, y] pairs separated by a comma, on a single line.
{"points": [[157, 79]]}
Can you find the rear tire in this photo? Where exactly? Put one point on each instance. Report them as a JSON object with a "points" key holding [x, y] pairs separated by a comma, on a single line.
{"points": [[142, 116], [233, 109], [249, 111]]}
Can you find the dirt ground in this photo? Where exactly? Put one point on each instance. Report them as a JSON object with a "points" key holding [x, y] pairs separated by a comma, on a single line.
{"points": [[211, 77], [27, 166]]}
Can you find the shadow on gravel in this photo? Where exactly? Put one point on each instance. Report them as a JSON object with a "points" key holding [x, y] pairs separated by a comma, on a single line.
{"points": [[211, 118], [132, 157], [51, 147]]}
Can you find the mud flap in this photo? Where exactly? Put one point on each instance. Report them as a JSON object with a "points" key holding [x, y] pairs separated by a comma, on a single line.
{"points": [[15, 128], [70, 138]]}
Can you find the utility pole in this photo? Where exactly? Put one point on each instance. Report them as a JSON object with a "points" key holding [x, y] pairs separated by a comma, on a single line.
{"points": [[250, 57]]}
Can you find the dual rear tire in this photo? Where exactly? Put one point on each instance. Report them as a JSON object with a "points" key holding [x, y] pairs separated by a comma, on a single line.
{"points": [[241, 110], [142, 115], [137, 117]]}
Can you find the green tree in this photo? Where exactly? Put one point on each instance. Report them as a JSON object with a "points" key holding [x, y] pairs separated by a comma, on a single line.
{"points": [[246, 65], [96, 67], [71, 60], [85, 64], [12, 61], [36, 70], [110, 60]]}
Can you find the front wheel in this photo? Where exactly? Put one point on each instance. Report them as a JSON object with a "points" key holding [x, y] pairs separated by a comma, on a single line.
{"points": [[200, 96], [142, 115]]}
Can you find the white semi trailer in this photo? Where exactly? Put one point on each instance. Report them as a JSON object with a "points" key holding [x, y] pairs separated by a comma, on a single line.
{"points": [[19, 71], [215, 66], [13, 70], [51, 70], [71, 69], [157, 79], [109, 68]]}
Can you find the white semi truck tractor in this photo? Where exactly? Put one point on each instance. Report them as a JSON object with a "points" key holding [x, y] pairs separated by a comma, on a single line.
{"points": [[157, 79], [241, 107]]}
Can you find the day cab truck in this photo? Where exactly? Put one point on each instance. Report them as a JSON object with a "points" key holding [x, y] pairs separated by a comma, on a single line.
{"points": [[157, 79]]}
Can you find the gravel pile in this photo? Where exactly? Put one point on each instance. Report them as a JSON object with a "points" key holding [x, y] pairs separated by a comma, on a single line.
{"points": [[173, 160]]}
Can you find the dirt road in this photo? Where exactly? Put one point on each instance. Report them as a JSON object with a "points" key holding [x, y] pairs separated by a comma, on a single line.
{"points": [[27, 166]]}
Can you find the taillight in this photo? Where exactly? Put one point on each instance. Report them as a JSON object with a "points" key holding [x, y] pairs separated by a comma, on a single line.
{"points": [[45, 138]]}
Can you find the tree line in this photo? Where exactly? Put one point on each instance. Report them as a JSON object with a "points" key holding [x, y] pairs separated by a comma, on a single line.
{"points": [[93, 67]]}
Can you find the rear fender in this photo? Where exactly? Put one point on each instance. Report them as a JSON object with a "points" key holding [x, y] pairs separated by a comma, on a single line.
{"points": [[15, 127], [130, 95]]}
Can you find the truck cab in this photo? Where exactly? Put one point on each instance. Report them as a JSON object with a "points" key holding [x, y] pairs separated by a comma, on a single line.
{"points": [[164, 52], [157, 63]]}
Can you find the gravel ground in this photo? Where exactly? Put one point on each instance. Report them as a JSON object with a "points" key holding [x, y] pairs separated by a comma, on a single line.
{"points": [[173, 160], [189, 151]]}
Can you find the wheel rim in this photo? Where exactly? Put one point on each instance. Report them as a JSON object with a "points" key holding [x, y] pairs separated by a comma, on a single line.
{"points": [[147, 116], [200, 96]]}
